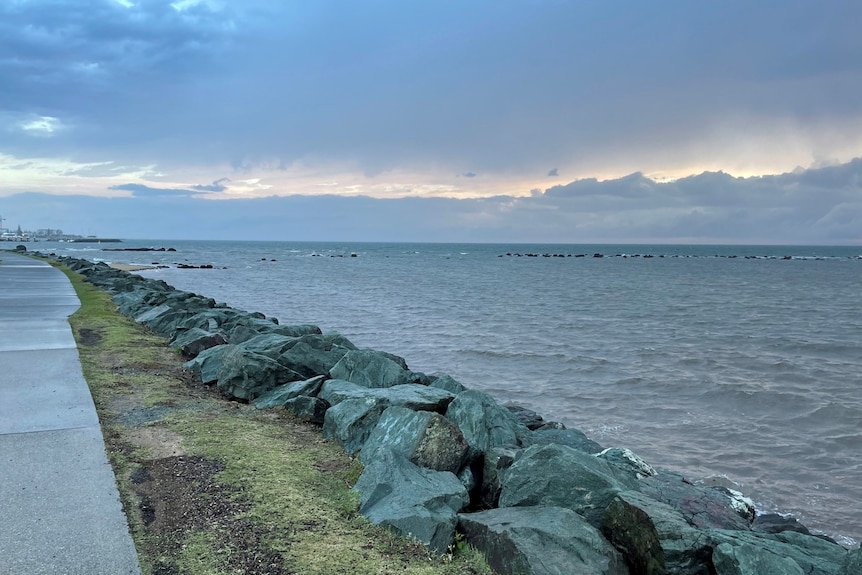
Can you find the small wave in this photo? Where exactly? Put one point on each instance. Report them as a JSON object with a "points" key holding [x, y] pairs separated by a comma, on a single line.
{"points": [[490, 353]]}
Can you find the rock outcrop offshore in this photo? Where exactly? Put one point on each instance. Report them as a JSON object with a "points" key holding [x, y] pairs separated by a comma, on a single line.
{"points": [[445, 464]]}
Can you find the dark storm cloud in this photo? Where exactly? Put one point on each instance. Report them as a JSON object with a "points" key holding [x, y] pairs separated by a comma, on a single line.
{"points": [[515, 85], [216, 186], [813, 206], [140, 190]]}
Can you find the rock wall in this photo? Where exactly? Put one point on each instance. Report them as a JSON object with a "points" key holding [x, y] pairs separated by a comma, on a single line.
{"points": [[441, 459]]}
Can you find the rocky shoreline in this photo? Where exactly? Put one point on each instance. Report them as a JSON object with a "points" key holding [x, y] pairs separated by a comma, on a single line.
{"points": [[445, 464]]}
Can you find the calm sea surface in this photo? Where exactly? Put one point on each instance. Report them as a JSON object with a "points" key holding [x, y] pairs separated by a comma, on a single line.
{"points": [[741, 371]]}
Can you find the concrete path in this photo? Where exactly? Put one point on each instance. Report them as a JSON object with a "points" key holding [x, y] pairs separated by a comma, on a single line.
{"points": [[60, 511]]}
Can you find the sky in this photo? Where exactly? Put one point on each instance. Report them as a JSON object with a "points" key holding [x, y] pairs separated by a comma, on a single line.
{"points": [[502, 121]]}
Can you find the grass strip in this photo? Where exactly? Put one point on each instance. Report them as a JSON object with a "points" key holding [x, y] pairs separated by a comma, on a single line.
{"points": [[217, 487]]}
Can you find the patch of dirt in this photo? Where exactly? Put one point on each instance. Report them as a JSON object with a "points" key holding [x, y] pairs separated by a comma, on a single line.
{"points": [[160, 442], [179, 495], [332, 465], [88, 336]]}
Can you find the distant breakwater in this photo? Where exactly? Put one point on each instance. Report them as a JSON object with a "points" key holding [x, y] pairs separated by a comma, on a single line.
{"points": [[440, 457], [660, 256]]}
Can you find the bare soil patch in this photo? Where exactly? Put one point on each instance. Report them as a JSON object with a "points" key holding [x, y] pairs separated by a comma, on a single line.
{"points": [[181, 494]]}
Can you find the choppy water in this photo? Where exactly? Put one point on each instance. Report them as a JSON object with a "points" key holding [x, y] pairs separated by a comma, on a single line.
{"points": [[728, 369]]}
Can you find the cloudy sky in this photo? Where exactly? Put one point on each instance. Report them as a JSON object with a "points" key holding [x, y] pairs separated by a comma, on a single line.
{"points": [[505, 120]]}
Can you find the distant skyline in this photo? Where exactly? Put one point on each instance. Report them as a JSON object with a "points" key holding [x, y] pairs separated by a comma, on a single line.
{"points": [[531, 120]]}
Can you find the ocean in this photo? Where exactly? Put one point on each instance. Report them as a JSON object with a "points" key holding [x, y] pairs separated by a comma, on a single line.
{"points": [[733, 365]]}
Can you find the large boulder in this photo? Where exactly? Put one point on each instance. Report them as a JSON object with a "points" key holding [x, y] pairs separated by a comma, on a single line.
{"points": [[776, 523], [540, 541], [272, 345], [373, 369], [628, 461], [495, 463], [167, 318], [750, 559], [411, 500], [351, 421], [485, 423], [531, 419], [215, 318], [280, 395], [570, 437], [414, 396], [447, 382], [314, 354], [786, 553], [298, 330], [307, 409], [425, 438], [190, 342], [207, 364], [701, 506], [852, 563], [557, 475], [655, 538], [247, 375]]}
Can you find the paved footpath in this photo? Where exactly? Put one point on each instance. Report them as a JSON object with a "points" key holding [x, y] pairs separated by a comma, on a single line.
{"points": [[60, 511]]}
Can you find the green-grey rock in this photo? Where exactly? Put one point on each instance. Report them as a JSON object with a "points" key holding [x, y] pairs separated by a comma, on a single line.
{"points": [[852, 563], [307, 409], [351, 421], [701, 506], [414, 501], [570, 437], [414, 396], [190, 342], [750, 560], [557, 475], [447, 382], [272, 345], [810, 553], [208, 363], [655, 538], [298, 330], [496, 461], [248, 375], [425, 438], [540, 541], [627, 461], [371, 369], [314, 354], [485, 423], [278, 396], [530, 418]]}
